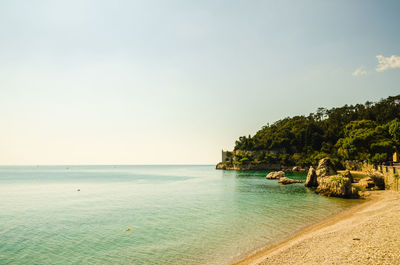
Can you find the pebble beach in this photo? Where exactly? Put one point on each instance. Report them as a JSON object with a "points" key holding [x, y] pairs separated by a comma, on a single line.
{"points": [[365, 234]]}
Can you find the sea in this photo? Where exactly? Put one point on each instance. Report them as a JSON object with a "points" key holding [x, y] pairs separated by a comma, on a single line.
{"points": [[150, 214]]}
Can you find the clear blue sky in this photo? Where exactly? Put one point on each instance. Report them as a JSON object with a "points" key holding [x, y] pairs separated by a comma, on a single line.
{"points": [[150, 82]]}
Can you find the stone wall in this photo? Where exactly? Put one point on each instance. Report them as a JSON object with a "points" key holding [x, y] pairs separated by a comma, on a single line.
{"points": [[391, 173]]}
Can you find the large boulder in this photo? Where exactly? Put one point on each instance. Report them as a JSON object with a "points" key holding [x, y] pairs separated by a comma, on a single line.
{"points": [[286, 181], [365, 183], [275, 175], [347, 174], [374, 180], [378, 178], [336, 186], [325, 168], [311, 180]]}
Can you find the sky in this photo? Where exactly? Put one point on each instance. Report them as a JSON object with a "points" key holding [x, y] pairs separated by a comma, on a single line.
{"points": [[174, 82]]}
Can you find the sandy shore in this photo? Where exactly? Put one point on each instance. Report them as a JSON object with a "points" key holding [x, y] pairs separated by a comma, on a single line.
{"points": [[365, 234]]}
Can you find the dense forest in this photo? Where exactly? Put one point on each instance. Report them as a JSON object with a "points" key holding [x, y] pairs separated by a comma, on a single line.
{"points": [[369, 131]]}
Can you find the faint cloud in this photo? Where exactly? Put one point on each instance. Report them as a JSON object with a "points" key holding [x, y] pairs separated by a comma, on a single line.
{"points": [[385, 63], [359, 71]]}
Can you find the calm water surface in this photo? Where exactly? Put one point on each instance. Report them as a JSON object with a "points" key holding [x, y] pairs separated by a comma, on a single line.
{"points": [[177, 214]]}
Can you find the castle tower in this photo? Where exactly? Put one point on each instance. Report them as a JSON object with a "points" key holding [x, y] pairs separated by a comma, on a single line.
{"points": [[224, 157]]}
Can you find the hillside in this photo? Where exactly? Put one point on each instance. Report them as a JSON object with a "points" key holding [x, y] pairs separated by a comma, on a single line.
{"points": [[369, 131]]}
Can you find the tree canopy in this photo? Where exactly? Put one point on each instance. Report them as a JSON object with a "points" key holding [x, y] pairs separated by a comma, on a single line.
{"points": [[369, 131]]}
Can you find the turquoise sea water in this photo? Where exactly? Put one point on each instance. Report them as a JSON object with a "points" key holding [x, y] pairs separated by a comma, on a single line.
{"points": [[177, 214]]}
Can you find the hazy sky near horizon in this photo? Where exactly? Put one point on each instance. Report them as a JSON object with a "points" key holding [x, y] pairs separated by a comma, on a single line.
{"points": [[158, 82]]}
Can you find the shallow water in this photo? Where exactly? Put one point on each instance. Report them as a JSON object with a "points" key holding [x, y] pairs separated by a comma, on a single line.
{"points": [[177, 214]]}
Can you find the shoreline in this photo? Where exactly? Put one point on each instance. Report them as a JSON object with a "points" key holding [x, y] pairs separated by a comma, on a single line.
{"points": [[304, 247]]}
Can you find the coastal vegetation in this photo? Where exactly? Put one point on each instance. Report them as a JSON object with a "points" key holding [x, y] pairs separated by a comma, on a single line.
{"points": [[369, 131]]}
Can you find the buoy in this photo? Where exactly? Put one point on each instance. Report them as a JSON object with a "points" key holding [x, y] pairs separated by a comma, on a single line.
{"points": [[127, 230]]}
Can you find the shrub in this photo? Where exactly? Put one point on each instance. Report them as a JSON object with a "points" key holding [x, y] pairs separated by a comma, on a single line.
{"points": [[339, 179]]}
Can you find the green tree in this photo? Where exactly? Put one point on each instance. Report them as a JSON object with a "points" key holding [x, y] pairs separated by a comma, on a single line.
{"points": [[394, 130], [365, 140], [363, 131]]}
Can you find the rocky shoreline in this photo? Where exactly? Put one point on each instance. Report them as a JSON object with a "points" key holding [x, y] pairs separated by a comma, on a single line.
{"points": [[259, 167], [324, 180], [329, 182]]}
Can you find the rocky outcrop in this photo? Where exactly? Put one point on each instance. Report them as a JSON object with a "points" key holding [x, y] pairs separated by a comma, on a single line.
{"points": [[347, 174], [275, 175], [221, 165], [336, 186], [375, 180], [325, 168], [311, 180], [249, 166], [365, 183], [329, 183], [286, 181], [378, 178]]}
